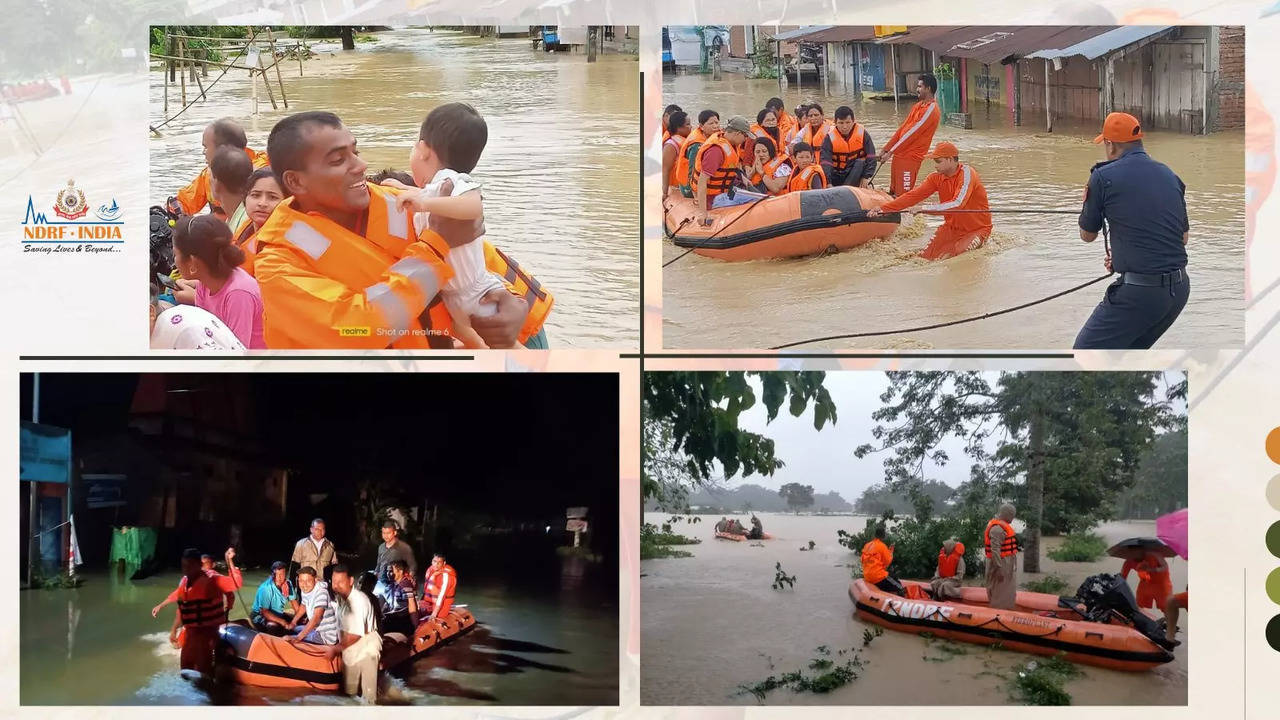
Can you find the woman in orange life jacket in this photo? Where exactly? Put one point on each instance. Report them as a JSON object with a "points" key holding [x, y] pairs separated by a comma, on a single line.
{"points": [[201, 608], [263, 197], [769, 173], [816, 127], [666, 116], [677, 129], [708, 125], [766, 125], [786, 121]]}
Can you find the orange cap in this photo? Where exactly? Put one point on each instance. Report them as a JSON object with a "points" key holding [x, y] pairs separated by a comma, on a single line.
{"points": [[1120, 127], [943, 150]]}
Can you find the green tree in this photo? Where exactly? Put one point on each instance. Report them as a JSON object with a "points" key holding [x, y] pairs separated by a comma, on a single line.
{"points": [[797, 496], [878, 498], [701, 410], [1067, 441], [1160, 486]]}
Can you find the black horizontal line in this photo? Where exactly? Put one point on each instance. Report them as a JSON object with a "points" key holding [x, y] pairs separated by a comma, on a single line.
{"points": [[219, 356], [782, 354]]}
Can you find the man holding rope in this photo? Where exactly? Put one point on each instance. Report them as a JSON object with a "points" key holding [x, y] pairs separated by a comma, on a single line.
{"points": [[959, 189], [1144, 204]]}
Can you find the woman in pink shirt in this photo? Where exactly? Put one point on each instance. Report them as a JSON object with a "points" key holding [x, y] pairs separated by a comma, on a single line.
{"points": [[212, 277]]}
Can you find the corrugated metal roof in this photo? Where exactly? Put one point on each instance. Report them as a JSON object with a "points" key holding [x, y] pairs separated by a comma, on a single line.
{"points": [[829, 33], [1107, 42], [993, 43]]}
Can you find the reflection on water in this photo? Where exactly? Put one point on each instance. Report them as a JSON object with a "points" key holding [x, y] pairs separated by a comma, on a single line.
{"points": [[880, 286], [546, 644], [712, 621], [559, 170]]}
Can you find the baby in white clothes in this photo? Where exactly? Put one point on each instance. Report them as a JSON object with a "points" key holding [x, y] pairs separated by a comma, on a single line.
{"points": [[448, 147]]}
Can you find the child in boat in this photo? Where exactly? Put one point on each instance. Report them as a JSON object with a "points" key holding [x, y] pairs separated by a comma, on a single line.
{"points": [[449, 146]]}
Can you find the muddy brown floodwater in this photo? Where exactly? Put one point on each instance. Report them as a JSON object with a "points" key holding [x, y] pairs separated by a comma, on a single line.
{"points": [[881, 286], [711, 621], [558, 172]]}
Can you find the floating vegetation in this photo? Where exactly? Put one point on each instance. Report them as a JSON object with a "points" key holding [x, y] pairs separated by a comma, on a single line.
{"points": [[782, 580], [828, 674]]}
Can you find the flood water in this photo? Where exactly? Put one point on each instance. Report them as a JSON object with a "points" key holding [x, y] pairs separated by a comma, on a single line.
{"points": [[99, 645], [881, 286], [558, 172], [712, 621]]}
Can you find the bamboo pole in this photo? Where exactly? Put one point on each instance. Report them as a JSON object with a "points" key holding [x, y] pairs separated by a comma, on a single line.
{"points": [[215, 63], [164, 72], [1048, 109], [275, 62], [182, 70]]}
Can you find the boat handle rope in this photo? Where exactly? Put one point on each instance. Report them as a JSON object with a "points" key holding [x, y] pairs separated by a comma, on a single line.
{"points": [[701, 244], [996, 619], [1106, 242]]}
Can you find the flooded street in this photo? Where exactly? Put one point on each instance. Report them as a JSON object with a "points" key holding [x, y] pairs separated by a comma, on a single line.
{"points": [[881, 286], [711, 622], [558, 172], [99, 645]]}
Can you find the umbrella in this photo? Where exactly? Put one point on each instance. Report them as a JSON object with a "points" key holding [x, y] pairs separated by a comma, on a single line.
{"points": [[1172, 529], [1135, 548]]}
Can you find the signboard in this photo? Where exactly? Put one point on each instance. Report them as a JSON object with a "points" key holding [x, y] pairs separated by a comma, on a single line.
{"points": [[576, 525], [576, 512], [104, 491], [45, 454]]}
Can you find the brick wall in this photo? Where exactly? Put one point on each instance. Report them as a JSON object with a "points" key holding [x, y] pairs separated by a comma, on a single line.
{"points": [[1230, 78]]}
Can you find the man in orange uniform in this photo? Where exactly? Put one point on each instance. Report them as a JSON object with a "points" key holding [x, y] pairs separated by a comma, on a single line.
{"points": [[219, 133], [905, 151], [876, 559], [1154, 585], [1000, 545], [959, 188], [340, 267], [717, 164], [440, 587], [202, 609], [1171, 607]]}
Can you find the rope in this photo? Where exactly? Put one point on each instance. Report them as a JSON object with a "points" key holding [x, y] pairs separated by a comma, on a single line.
{"points": [[156, 128], [1026, 211], [712, 235], [935, 326]]}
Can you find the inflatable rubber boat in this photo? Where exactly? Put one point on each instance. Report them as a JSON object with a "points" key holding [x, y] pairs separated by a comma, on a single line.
{"points": [[809, 222], [1105, 627], [739, 538], [264, 660]]}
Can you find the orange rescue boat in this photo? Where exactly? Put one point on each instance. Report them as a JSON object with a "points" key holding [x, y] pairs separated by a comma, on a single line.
{"points": [[398, 649], [797, 224], [1041, 624], [268, 661]]}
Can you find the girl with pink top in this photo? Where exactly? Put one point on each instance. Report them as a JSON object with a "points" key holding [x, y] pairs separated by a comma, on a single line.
{"points": [[212, 278]]}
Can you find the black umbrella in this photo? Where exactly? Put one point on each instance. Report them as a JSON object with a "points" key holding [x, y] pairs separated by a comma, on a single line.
{"points": [[1135, 548]]}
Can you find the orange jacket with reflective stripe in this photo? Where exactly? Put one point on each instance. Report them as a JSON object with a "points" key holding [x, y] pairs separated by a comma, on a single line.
{"points": [[802, 179], [444, 580], [201, 604], [245, 238], [914, 136], [947, 564], [962, 191], [1010, 545], [815, 137], [727, 173], [876, 558], [192, 198], [772, 166], [683, 162]]}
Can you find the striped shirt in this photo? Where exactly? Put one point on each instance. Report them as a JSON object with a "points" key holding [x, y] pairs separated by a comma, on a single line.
{"points": [[317, 601]]}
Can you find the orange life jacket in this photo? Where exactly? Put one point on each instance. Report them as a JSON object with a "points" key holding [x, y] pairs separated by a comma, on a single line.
{"points": [[802, 179], [771, 167], [845, 151], [727, 173], [684, 164], [786, 124], [192, 198], [677, 142], [876, 557], [815, 137], [435, 581], [666, 135], [245, 239], [1010, 546], [201, 604], [947, 564]]}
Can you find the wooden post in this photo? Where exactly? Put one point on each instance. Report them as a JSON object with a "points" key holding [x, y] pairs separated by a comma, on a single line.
{"points": [[777, 59], [799, 60], [182, 72], [1048, 108], [172, 44], [302, 49], [164, 73], [271, 95], [592, 31], [893, 65], [196, 76], [1017, 92], [275, 62], [822, 71], [857, 70], [348, 38]]}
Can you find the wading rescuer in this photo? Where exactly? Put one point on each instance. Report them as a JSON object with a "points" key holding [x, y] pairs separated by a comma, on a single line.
{"points": [[905, 151], [847, 152], [959, 188], [202, 609], [718, 164], [1143, 203], [1000, 545], [440, 587]]}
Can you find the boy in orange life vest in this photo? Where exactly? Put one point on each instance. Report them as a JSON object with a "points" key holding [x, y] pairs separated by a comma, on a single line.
{"points": [[440, 587], [201, 608], [1154, 586], [905, 151], [950, 571], [337, 254], [876, 558], [959, 188], [807, 174], [848, 155], [448, 148], [718, 163], [219, 133]]}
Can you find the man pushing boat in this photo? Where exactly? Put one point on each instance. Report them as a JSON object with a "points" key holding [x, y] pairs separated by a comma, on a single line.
{"points": [[966, 223]]}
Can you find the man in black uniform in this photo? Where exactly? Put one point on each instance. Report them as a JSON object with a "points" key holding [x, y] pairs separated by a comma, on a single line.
{"points": [[1143, 203]]}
